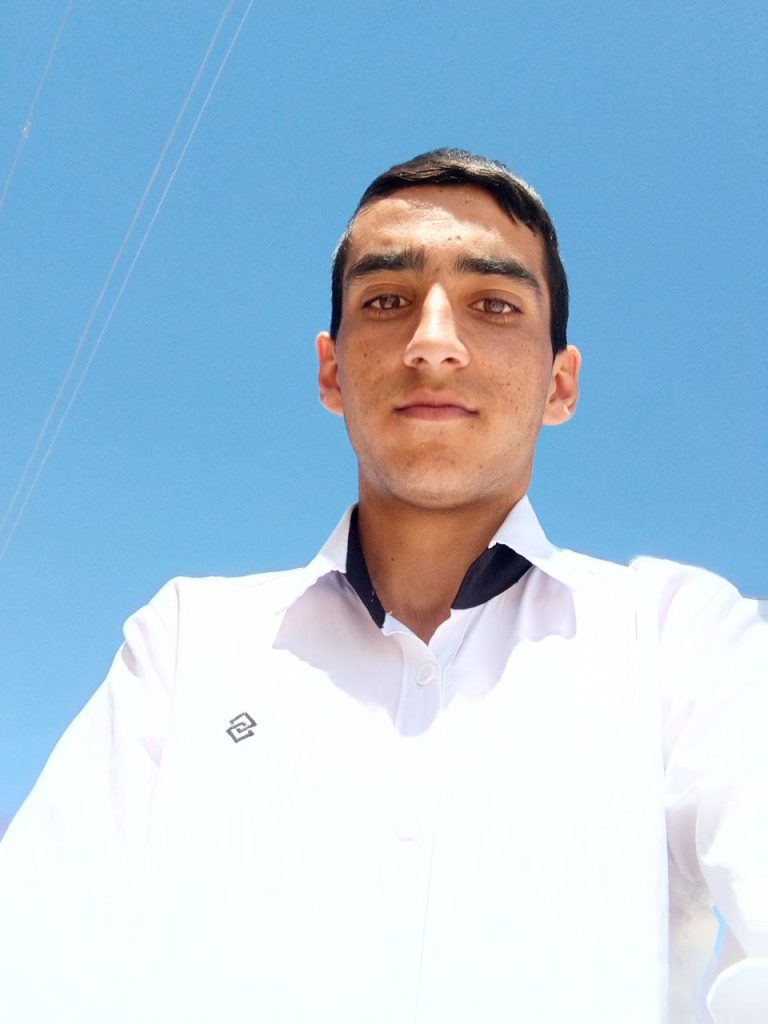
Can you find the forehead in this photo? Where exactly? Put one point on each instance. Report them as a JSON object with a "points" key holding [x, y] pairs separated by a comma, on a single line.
{"points": [[444, 221]]}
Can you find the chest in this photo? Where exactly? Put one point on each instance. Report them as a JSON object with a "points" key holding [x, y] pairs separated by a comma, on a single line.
{"points": [[444, 867]]}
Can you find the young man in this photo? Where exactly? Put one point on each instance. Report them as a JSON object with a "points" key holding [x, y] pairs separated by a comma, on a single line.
{"points": [[446, 772]]}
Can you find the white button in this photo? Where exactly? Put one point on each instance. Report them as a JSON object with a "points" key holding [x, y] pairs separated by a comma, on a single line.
{"points": [[417, 832], [409, 824], [426, 674], [405, 834]]}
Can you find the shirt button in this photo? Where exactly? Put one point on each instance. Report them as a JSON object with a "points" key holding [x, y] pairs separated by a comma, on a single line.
{"points": [[405, 833], [426, 674]]}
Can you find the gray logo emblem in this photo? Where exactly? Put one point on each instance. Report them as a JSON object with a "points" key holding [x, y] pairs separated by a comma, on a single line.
{"points": [[241, 727]]}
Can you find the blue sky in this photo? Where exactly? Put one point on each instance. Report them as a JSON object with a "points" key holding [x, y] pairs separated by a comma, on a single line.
{"points": [[196, 444]]}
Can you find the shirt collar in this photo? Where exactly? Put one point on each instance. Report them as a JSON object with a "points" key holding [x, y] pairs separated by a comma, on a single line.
{"points": [[497, 569], [520, 531]]}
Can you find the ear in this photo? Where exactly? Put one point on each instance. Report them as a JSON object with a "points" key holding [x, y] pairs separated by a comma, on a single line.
{"points": [[563, 393], [328, 374]]}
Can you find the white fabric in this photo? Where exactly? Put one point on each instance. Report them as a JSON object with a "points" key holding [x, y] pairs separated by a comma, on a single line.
{"points": [[471, 830]]}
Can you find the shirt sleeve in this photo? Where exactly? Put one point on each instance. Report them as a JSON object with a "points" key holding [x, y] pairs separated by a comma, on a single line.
{"points": [[713, 650], [70, 859]]}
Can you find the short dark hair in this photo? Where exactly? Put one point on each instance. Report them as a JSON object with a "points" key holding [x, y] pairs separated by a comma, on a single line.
{"points": [[459, 167]]}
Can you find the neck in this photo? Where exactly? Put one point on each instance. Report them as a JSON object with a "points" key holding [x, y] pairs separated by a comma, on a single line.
{"points": [[417, 558]]}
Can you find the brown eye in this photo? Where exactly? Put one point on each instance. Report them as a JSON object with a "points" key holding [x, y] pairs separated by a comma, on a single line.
{"points": [[387, 301], [495, 306]]}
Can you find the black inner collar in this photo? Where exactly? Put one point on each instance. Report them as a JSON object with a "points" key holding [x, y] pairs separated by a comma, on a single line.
{"points": [[491, 573]]}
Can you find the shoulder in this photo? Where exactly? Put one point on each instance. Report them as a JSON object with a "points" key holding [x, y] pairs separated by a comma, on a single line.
{"points": [[219, 597], [699, 620], [236, 587], [670, 598], [587, 569], [682, 593], [655, 580]]}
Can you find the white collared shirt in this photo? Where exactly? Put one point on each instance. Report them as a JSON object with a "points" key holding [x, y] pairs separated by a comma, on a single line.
{"points": [[276, 811]]}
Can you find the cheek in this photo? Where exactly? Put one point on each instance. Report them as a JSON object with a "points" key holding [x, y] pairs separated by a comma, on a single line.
{"points": [[363, 376], [521, 390], [354, 357], [358, 387]]}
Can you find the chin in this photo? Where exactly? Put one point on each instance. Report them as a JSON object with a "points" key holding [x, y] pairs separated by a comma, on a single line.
{"points": [[452, 488], [437, 495]]}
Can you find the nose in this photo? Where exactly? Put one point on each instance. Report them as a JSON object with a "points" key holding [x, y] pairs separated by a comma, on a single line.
{"points": [[436, 341]]}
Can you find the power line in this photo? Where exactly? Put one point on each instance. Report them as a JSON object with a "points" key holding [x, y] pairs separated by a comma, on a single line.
{"points": [[27, 126], [126, 278], [111, 272]]}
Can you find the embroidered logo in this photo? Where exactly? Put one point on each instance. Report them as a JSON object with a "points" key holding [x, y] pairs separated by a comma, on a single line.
{"points": [[241, 727]]}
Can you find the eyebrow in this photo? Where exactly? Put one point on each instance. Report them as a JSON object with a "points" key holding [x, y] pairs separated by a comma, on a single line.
{"points": [[396, 259], [416, 260], [498, 267]]}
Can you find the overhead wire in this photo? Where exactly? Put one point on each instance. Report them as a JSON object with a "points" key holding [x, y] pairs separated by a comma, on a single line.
{"points": [[126, 278], [26, 128], [115, 263]]}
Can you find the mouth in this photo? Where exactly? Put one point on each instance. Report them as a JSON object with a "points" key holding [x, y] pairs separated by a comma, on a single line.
{"points": [[435, 406]]}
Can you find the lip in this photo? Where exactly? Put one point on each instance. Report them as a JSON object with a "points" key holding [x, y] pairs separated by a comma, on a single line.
{"points": [[435, 406]]}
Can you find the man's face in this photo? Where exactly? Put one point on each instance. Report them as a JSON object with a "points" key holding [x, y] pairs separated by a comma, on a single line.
{"points": [[442, 366]]}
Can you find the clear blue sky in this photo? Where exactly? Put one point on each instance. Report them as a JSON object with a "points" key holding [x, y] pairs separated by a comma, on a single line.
{"points": [[196, 444]]}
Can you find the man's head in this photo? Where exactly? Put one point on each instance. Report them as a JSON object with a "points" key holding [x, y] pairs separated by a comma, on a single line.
{"points": [[442, 359], [453, 167]]}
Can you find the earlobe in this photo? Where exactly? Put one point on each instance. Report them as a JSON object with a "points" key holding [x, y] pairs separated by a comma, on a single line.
{"points": [[328, 374], [564, 387]]}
